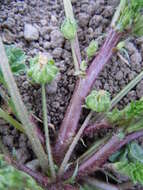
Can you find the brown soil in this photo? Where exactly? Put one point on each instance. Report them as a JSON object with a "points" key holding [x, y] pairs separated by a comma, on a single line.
{"points": [[93, 18]]}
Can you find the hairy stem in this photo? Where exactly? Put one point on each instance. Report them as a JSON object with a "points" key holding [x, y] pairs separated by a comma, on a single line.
{"points": [[16, 123], [21, 109], [45, 119], [4, 115], [74, 43], [83, 86], [73, 144]]}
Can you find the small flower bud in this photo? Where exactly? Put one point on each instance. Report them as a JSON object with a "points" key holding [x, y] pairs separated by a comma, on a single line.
{"points": [[42, 70], [69, 28], [92, 48], [98, 101]]}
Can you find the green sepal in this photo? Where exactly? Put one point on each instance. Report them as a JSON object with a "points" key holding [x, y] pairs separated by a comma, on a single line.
{"points": [[42, 70], [69, 29], [98, 101]]}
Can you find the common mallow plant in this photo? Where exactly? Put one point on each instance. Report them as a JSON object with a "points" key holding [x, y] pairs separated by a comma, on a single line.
{"points": [[58, 169]]}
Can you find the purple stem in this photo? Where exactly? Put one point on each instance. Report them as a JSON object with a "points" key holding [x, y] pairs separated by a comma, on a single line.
{"points": [[61, 186], [101, 156], [92, 129], [83, 87], [38, 131]]}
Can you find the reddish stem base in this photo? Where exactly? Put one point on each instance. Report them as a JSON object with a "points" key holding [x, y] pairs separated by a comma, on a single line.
{"points": [[83, 87]]}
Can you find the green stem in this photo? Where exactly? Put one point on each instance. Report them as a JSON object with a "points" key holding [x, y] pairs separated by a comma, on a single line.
{"points": [[76, 64], [21, 109], [68, 9], [124, 92], [74, 43], [73, 144], [45, 119], [4, 115]]}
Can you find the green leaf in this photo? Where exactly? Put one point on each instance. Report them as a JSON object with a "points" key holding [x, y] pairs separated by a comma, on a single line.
{"points": [[11, 178], [98, 101], [129, 14], [137, 126], [127, 116], [135, 152], [133, 170], [42, 70], [129, 162], [16, 59], [138, 26]]}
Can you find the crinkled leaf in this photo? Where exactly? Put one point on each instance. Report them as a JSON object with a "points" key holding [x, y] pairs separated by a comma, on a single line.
{"points": [[130, 13], [128, 115], [135, 152], [129, 162], [133, 170], [11, 178], [16, 58]]}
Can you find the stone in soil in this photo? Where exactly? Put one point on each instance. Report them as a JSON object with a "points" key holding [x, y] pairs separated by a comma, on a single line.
{"points": [[30, 32]]}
